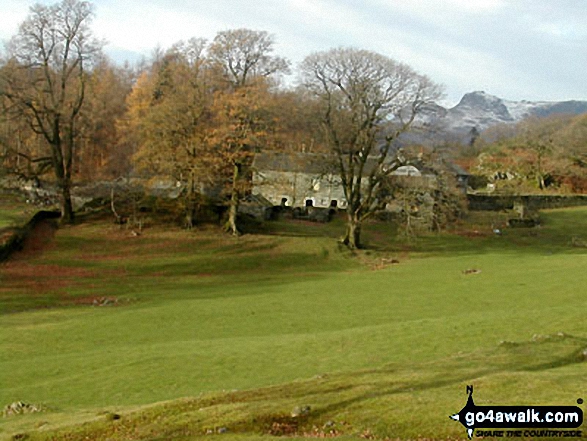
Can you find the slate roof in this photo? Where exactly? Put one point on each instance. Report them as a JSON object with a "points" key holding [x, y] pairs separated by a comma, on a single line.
{"points": [[311, 163], [320, 164], [457, 169]]}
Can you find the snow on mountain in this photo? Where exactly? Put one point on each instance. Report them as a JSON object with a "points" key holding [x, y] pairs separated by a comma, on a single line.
{"points": [[522, 109], [480, 110]]}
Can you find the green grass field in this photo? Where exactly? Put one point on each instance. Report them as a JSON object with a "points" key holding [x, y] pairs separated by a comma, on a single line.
{"points": [[235, 333], [13, 211]]}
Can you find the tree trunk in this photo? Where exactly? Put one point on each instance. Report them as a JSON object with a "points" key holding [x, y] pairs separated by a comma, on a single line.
{"points": [[234, 198], [66, 205], [541, 183], [352, 238], [540, 176], [189, 214], [190, 203]]}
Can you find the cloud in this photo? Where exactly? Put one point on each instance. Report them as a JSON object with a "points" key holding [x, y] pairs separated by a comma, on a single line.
{"points": [[139, 26], [517, 49], [478, 6], [12, 12]]}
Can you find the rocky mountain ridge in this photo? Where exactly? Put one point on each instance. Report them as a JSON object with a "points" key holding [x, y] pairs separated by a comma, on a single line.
{"points": [[479, 110]]}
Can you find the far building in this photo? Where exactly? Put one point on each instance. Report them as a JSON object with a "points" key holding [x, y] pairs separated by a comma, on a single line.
{"points": [[298, 180], [312, 180]]}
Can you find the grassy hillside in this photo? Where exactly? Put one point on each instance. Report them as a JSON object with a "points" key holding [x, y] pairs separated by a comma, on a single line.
{"points": [[13, 211], [99, 321]]}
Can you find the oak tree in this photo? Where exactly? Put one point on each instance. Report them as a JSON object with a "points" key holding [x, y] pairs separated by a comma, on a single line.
{"points": [[245, 61], [169, 118], [368, 100], [242, 125], [242, 55], [44, 81]]}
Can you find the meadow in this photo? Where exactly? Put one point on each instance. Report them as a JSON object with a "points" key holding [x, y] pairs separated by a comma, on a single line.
{"points": [[13, 211], [177, 334]]}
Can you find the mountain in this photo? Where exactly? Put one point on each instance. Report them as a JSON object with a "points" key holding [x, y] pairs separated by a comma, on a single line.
{"points": [[479, 110]]}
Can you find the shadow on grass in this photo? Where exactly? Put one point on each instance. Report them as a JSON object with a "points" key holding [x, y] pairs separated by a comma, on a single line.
{"points": [[531, 356], [99, 260], [560, 231], [353, 396], [181, 262]]}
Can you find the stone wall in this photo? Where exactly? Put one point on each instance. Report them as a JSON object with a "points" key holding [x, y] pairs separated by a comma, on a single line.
{"points": [[533, 202]]}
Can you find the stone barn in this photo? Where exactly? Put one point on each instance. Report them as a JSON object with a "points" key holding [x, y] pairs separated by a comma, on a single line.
{"points": [[298, 180], [312, 180]]}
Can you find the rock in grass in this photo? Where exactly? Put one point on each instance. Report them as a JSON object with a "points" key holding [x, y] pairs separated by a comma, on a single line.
{"points": [[472, 271], [111, 416], [105, 301], [300, 411], [19, 408]]}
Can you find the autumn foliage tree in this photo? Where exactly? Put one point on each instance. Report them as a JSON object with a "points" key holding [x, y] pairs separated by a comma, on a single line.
{"points": [[571, 149], [98, 155], [201, 112], [241, 126], [169, 119], [245, 62], [535, 154]]}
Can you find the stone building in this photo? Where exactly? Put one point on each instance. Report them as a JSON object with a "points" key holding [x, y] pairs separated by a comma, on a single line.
{"points": [[312, 180], [298, 180]]}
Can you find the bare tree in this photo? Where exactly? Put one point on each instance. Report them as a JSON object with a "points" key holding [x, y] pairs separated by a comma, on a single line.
{"points": [[44, 81], [243, 54], [368, 100]]}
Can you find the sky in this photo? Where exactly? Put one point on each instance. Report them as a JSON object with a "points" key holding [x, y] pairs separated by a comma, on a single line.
{"points": [[532, 50]]}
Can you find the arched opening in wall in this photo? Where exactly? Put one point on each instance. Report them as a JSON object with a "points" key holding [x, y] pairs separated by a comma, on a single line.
{"points": [[333, 203], [309, 202]]}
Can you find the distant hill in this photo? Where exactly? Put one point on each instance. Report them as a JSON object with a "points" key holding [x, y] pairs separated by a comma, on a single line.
{"points": [[479, 110]]}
